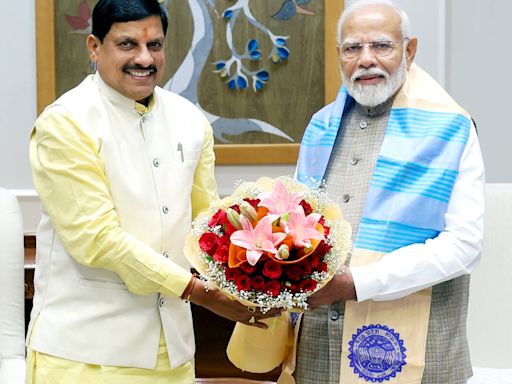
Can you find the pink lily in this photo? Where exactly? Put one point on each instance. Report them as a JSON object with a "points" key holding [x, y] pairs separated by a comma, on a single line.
{"points": [[258, 239], [302, 228], [279, 201]]}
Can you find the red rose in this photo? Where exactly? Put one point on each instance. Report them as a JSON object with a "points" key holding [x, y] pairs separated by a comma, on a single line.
{"points": [[208, 243], [292, 287], [322, 267], [220, 218], [272, 270], [236, 207], [292, 272], [223, 240], [305, 267], [258, 283], [232, 273], [273, 287], [306, 206], [307, 285], [314, 260], [254, 202], [221, 254], [243, 283], [229, 229], [247, 268], [322, 249]]}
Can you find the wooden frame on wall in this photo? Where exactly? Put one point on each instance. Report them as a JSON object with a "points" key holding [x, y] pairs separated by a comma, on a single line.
{"points": [[226, 154]]}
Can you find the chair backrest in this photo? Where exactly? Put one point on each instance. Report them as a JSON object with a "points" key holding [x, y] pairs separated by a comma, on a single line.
{"points": [[490, 302], [12, 299]]}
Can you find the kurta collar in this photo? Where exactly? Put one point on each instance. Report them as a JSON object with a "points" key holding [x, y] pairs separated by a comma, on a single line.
{"points": [[377, 110]]}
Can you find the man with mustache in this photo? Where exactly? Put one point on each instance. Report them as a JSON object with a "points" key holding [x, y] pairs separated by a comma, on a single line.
{"points": [[402, 159], [121, 167]]}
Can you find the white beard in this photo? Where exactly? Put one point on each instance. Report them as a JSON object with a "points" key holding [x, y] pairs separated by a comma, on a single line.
{"points": [[371, 95]]}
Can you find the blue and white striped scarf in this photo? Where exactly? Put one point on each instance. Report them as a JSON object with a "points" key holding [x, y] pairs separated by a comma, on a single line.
{"points": [[416, 168]]}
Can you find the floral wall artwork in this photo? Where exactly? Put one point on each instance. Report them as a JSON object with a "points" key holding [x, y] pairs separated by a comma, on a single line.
{"points": [[255, 67]]}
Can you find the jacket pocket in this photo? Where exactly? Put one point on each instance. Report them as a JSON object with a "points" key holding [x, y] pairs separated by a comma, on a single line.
{"points": [[103, 284]]}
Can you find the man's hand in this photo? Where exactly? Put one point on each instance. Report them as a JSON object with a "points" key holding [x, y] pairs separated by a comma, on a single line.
{"points": [[220, 304], [340, 288]]}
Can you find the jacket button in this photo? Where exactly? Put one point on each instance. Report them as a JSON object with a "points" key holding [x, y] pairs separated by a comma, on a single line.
{"points": [[165, 209], [334, 315], [346, 197], [363, 124], [166, 255], [156, 163], [354, 161], [161, 302]]}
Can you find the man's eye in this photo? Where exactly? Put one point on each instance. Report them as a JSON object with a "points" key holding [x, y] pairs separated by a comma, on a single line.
{"points": [[382, 46], [155, 45], [352, 48], [126, 44]]}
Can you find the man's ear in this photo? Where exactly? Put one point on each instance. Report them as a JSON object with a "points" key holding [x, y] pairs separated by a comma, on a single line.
{"points": [[93, 46], [410, 51]]}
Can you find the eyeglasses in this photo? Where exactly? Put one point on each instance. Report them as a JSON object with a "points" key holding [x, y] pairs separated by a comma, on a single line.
{"points": [[350, 51]]}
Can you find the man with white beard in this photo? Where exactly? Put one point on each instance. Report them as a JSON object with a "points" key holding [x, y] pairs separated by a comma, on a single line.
{"points": [[402, 159]]}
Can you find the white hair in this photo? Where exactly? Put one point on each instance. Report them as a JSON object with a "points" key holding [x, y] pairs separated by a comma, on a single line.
{"points": [[405, 25]]}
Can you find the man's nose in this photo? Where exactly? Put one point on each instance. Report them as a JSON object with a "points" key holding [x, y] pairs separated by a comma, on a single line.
{"points": [[367, 57], [144, 57]]}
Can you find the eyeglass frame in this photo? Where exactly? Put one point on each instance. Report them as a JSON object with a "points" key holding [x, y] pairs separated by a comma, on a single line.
{"points": [[370, 45]]}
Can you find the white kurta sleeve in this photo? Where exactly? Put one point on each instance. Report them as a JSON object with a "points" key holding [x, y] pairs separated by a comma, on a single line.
{"points": [[454, 252]]}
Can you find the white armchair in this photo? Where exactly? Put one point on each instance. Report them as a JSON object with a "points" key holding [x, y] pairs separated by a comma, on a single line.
{"points": [[490, 303], [12, 301]]}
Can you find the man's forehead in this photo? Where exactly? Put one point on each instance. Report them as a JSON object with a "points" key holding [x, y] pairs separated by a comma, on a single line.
{"points": [[151, 24], [372, 38], [372, 22]]}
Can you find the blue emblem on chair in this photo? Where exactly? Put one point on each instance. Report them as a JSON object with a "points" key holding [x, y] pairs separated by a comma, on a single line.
{"points": [[376, 353]]}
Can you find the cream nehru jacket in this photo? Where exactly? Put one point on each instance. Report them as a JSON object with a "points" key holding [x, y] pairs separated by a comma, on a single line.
{"points": [[88, 314]]}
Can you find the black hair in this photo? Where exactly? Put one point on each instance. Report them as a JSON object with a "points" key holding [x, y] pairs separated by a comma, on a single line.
{"points": [[108, 12]]}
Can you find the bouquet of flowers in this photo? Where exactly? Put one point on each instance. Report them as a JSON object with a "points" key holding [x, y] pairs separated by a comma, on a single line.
{"points": [[271, 244]]}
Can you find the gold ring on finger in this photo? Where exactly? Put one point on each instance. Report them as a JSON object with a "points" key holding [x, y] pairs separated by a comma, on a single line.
{"points": [[252, 320]]}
